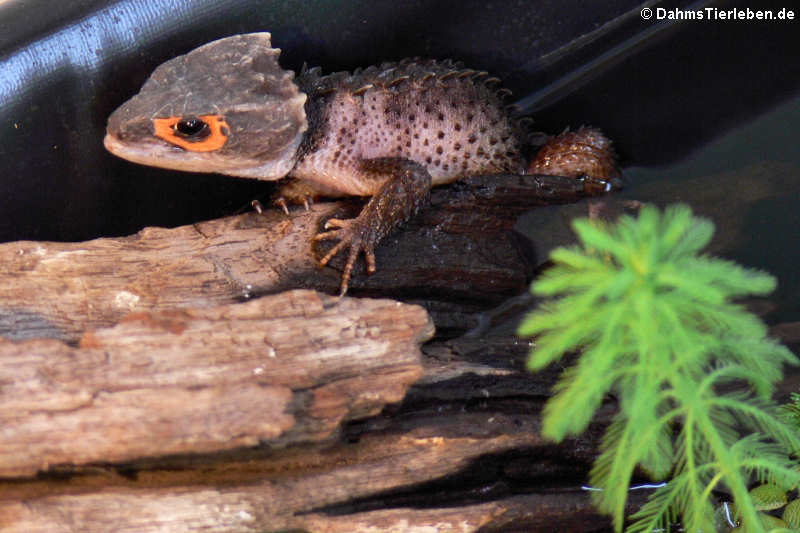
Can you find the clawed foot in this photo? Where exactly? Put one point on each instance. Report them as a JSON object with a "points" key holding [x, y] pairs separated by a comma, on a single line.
{"points": [[281, 202], [295, 192], [353, 234]]}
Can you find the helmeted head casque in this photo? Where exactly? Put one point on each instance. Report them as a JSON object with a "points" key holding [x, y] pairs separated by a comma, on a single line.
{"points": [[225, 107]]}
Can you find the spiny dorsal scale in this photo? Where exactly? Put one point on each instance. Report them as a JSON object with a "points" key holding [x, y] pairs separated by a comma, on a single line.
{"points": [[389, 131], [360, 91], [397, 81]]}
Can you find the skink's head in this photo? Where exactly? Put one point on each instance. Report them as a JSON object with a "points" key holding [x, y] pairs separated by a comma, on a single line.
{"points": [[225, 107]]}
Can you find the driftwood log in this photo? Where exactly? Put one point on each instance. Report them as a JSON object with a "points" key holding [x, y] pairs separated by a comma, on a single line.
{"points": [[457, 255], [166, 382], [276, 371]]}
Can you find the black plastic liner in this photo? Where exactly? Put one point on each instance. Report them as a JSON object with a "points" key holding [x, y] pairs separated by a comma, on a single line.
{"points": [[659, 89]]}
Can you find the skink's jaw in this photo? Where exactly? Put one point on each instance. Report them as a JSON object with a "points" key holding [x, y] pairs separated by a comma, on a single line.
{"points": [[157, 154]]}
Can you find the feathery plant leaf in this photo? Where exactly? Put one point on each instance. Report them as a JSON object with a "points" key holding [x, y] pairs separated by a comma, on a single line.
{"points": [[655, 325]]}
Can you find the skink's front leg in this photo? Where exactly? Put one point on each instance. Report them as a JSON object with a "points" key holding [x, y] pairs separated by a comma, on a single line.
{"points": [[406, 188]]}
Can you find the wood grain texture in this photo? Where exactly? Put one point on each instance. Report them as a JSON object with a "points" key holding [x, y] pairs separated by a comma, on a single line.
{"points": [[278, 370], [180, 390], [457, 250], [465, 438], [269, 494]]}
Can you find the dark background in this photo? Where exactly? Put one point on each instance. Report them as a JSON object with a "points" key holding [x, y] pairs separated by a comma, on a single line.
{"points": [[659, 89]]}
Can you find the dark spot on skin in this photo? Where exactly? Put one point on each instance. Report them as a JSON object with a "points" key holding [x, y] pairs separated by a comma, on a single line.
{"points": [[457, 146], [471, 139], [428, 160], [372, 107], [457, 127], [425, 143], [352, 141], [492, 141], [424, 125], [464, 165], [411, 117], [416, 135], [445, 167], [441, 116], [407, 131], [408, 144], [428, 109], [482, 129], [454, 159], [440, 134], [467, 155], [343, 131], [336, 154], [439, 150], [437, 162], [470, 116]]}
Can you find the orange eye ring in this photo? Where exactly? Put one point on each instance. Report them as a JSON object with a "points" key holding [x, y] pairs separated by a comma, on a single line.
{"points": [[213, 138]]}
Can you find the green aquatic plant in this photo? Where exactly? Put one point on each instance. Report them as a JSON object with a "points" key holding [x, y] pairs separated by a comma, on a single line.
{"points": [[766, 498], [792, 409], [656, 328]]}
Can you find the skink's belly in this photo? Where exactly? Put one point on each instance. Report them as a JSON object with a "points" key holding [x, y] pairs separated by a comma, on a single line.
{"points": [[345, 177], [337, 171]]}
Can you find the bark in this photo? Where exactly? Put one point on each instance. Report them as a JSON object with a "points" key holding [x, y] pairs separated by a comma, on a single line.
{"points": [[275, 371], [173, 395], [463, 443], [457, 254]]}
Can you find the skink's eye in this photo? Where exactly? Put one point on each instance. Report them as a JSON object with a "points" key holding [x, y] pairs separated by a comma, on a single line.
{"points": [[204, 133], [192, 127]]}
